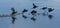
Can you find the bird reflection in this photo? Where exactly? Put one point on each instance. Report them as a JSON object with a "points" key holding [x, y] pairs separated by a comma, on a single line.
{"points": [[50, 16], [13, 20], [33, 12], [50, 9], [44, 14], [13, 11], [44, 8], [24, 11], [34, 19], [24, 16], [34, 6]]}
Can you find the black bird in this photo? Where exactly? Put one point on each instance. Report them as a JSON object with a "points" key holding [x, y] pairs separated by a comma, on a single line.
{"points": [[24, 16], [24, 11], [33, 12], [13, 19], [33, 19], [50, 9], [50, 16], [44, 8], [34, 6], [13, 11]]}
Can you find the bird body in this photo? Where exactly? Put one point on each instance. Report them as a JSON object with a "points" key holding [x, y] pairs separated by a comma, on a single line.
{"points": [[33, 12], [14, 13]]}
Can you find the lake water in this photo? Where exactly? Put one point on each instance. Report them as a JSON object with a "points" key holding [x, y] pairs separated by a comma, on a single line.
{"points": [[19, 5]]}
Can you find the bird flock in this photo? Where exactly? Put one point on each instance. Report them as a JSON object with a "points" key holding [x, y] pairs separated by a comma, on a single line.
{"points": [[33, 13]]}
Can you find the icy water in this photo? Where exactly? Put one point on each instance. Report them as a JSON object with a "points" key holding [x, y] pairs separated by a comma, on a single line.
{"points": [[19, 5]]}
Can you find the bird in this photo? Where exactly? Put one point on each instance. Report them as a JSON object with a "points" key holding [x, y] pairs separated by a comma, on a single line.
{"points": [[34, 6], [33, 19], [50, 9], [50, 16], [44, 8], [33, 12], [24, 11], [13, 19], [24, 16], [13, 11]]}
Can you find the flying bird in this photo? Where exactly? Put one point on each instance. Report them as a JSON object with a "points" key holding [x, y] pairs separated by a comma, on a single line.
{"points": [[13, 11], [50, 9], [13, 20], [24, 11], [34, 6]]}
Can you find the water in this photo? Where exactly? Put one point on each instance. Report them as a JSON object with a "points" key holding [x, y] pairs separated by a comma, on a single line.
{"points": [[19, 5]]}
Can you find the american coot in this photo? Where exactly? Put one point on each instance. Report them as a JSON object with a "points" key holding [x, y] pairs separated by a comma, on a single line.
{"points": [[24, 11], [50, 9], [13, 11], [34, 6], [33, 12]]}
